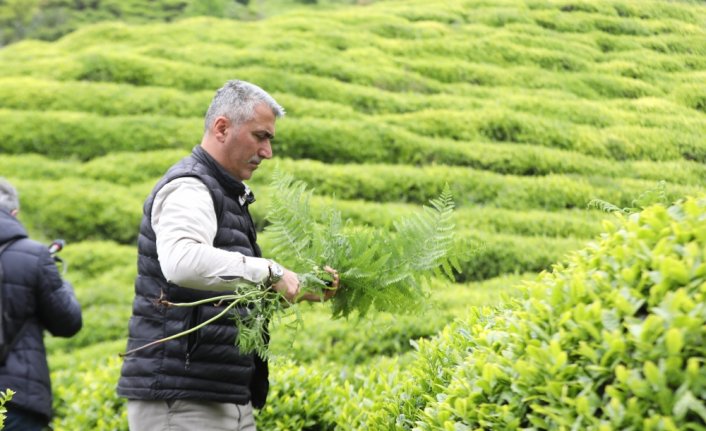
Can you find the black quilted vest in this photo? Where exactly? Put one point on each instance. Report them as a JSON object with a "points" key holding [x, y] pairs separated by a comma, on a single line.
{"points": [[204, 365]]}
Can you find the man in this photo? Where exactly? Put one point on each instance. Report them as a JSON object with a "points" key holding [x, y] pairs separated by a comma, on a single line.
{"points": [[196, 239], [34, 298]]}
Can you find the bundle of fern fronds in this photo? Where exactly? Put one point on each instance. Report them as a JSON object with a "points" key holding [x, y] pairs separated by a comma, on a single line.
{"points": [[384, 270]]}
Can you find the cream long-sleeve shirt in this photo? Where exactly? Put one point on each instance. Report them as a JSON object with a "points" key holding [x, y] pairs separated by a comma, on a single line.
{"points": [[185, 223]]}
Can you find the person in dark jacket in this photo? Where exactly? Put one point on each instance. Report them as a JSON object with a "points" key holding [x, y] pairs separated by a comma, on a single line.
{"points": [[196, 239], [34, 298]]}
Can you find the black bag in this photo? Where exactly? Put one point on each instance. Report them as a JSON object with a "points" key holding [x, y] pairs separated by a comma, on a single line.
{"points": [[6, 345]]}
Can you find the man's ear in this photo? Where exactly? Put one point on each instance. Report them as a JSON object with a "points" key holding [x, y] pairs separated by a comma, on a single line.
{"points": [[220, 127], [15, 212]]}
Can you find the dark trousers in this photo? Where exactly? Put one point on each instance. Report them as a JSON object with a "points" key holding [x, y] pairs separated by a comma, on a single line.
{"points": [[23, 420]]}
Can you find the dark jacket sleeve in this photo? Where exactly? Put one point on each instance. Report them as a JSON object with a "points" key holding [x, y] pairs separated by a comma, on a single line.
{"points": [[58, 309]]}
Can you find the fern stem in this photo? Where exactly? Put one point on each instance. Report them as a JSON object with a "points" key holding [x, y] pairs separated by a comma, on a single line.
{"points": [[181, 334], [230, 297]]}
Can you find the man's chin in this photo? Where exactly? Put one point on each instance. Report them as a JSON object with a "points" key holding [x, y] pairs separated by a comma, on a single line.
{"points": [[246, 174]]}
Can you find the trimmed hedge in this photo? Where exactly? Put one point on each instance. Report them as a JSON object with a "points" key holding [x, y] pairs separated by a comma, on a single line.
{"points": [[381, 144], [77, 210], [389, 183], [107, 98], [101, 210], [102, 98], [121, 168], [576, 223], [666, 139], [85, 136]]}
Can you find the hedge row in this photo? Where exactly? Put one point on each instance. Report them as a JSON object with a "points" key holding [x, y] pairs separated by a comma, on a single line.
{"points": [[534, 47], [103, 98], [305, 58], [33, 94], [388, 26], [627, 21], [78, 209], [492, 255], [147, 71], [509, 46], [569, 223], [678, 140], [120, 168], [613, 340], [302, 138], [387, 183], [85, 136], [410, 184], [144, 71]]}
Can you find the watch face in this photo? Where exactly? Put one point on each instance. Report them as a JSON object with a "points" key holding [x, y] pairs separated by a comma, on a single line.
{"points": [[276, 273]]}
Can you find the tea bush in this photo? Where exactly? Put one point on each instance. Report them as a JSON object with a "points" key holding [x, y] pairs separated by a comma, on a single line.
{"points": [[610, 340], [85, 398]]}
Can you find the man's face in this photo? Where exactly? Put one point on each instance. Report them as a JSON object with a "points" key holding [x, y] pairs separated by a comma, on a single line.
{"points": [[250, 143]]}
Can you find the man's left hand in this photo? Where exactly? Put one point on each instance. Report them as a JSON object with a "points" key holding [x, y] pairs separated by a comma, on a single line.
{"points": [[329, 292]]}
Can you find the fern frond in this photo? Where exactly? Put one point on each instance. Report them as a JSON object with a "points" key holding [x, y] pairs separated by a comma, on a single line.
{"points": [[607, 207], [292, 226]]}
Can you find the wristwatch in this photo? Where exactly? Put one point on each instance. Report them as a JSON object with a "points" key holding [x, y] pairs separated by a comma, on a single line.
{"points": [[276, 273]]}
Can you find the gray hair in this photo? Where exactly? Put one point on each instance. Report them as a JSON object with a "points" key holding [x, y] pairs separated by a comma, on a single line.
{"points": [[237, 100], [8, 196]]}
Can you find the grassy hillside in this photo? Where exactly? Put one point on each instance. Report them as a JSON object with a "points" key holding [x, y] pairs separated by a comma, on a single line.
{"points": [[527, 109], [51, 19]]}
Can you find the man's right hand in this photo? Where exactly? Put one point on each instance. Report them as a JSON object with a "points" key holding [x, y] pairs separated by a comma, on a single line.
{"points": [[288, 285]]}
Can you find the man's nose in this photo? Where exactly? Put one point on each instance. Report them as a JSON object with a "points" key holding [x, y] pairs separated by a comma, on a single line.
{"points": [[266, 150]]}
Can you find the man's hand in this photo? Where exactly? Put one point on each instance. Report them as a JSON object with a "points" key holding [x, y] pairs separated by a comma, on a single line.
{"points": [[328, 293], [288, 285]]}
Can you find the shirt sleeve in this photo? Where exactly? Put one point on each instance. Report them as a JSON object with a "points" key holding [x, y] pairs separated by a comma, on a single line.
{"points": [[185, 224]]}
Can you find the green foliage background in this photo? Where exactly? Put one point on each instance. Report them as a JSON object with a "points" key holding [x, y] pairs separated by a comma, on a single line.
{"points": [[527, 109]]}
